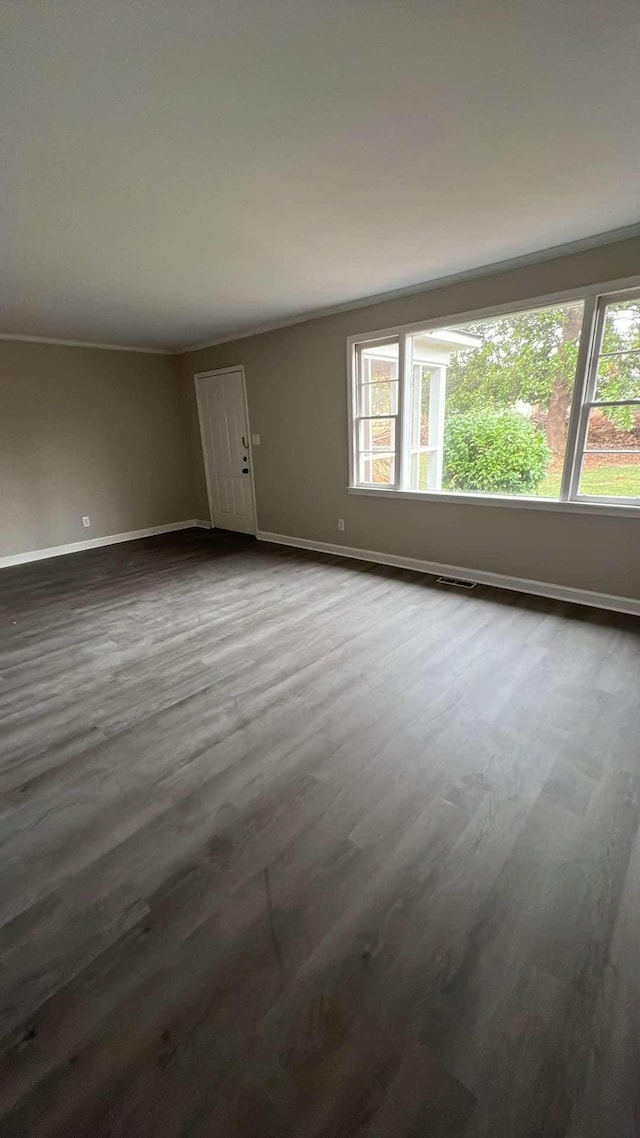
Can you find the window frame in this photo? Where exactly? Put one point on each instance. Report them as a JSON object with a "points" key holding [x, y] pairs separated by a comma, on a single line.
{"points": [[595, 298], [357, 418], [588, 402]]}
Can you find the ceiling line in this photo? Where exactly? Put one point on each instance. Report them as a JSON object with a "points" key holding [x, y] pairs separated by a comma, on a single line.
{"points": [[86, 344], [583, 244]]}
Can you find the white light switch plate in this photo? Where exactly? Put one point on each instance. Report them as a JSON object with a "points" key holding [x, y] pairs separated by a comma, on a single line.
{"points": [[255, 439]]}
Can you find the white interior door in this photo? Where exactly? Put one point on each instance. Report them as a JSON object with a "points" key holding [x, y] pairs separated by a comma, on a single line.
{"points": [[224, 429]]}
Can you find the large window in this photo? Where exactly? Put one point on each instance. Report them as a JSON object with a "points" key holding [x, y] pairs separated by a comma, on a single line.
{"points": [[542, 403]]}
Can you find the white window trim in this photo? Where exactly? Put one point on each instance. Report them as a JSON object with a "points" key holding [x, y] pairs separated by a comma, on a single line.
{"points": [[569, 500], [397, 416]]}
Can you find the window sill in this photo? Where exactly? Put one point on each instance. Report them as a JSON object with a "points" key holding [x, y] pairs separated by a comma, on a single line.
{"points": [[609, 509]]}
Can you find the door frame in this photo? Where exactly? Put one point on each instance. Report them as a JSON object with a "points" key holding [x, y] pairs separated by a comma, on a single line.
{"points": [[197, 378]]}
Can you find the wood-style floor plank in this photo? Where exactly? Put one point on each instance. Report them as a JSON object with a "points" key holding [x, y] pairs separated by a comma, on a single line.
{"points": [[298, 847]]}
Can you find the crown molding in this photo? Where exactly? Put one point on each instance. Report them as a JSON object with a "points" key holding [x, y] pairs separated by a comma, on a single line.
{"points": [[583, 245], [84, 344], [610, 237]]}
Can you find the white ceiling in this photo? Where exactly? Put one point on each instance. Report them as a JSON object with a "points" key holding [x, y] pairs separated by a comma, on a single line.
{"points": [[177, 172]]}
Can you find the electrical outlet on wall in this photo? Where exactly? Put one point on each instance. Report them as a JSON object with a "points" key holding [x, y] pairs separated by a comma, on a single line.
{"points": [[340, 523], [86, 521]]}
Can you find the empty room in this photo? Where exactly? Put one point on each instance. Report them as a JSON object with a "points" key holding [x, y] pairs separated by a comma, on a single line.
{"points": [[320, 569]]}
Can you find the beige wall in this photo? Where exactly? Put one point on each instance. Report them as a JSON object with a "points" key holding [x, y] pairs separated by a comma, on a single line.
{"points": [[87, 431], [296, 385]]}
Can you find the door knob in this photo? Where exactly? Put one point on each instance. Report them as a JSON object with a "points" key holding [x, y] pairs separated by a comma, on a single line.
{"points": [[245, 469]]}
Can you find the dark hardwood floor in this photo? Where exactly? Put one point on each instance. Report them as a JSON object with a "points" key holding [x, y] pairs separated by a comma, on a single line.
{"points": [[299, 846]]}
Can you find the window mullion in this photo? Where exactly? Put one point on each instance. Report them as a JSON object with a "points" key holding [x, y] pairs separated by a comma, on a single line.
{"points": [[403, 427], [620, 352], [354, 365], [613, 403], [590, 336], [380, 415]]}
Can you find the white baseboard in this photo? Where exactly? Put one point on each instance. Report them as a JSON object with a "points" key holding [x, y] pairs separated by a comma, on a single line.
{"points": [[200, 524], [95, 542], [436, 569]]}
